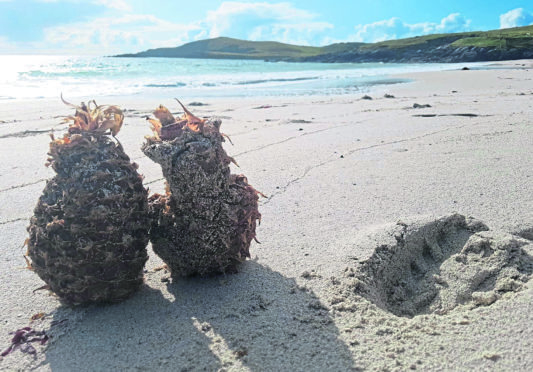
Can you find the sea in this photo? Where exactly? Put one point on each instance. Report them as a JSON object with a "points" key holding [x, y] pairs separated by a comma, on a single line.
{"points": [[37, 76]]}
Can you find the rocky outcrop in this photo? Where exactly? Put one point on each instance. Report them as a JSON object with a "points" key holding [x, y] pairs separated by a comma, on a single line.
{"points": [[439, 54]]}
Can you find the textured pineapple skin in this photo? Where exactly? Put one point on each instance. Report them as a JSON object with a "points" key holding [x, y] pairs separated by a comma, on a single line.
{"points": [[88, 235], [207, 220]]}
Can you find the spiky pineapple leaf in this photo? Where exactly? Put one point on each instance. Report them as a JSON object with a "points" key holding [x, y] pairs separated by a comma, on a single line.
{"points": [[167, 127], [95, 118]]}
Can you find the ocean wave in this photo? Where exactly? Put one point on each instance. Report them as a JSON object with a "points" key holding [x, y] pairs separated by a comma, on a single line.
{"points": [[276, 80], [174, 85], [45, 76], [383, 81], [60, 74]]}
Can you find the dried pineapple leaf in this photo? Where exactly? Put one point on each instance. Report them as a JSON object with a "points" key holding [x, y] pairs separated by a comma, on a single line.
{"points": [[262, 195], [44, 287], [164, 116], [233, 161], [226, 136], [94, 118], [156, 127], [105, 125], [118, 125], [68, 103], [118, 117], [193, 122], [28, 263]]}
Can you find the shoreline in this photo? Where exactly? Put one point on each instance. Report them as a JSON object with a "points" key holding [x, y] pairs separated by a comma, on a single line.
{"points": [[382, 82], [339, 172], [207, 81]]}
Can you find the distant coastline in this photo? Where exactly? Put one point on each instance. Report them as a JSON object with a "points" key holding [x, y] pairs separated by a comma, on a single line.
{"points": [[480, 46]]}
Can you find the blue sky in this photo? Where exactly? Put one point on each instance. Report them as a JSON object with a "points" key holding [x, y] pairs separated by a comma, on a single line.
{"points": [[115, 26]]}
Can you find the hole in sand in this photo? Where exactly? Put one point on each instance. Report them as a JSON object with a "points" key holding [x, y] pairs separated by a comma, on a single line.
{"points": [[436, 265]]}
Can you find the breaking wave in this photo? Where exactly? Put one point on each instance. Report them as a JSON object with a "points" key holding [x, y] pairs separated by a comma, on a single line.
{"points": [[24, 77]]}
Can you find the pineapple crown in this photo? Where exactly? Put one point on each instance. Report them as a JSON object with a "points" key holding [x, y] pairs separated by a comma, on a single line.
{"points": [[94, 118], [90, 118], [167, 127]]}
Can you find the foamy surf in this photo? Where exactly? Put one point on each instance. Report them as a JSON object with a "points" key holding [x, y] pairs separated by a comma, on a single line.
{"points": [[24, 77]]}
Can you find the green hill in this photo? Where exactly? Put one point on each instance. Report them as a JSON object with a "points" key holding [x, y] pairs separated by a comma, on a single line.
{"points": [[225, 47], [512, 43]]}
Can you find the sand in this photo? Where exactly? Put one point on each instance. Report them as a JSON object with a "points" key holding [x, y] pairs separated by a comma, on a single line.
{"points": [[392, 238]]}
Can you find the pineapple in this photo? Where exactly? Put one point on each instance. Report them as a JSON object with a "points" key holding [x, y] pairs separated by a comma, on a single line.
{"points": [[88, 235], [205, 222]]}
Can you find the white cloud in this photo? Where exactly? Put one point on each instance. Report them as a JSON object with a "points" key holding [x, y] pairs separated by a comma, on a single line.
{"points": [[121, 30], [516, 18], [134, 32], [454, 22], [8, 46], [222, 19], [5, 44], [110, 35], [114, 4], [264, 21], [300, 34], [395, 28]]}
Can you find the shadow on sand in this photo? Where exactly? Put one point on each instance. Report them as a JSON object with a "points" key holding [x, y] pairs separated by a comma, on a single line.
{"points": [[257, 320]]}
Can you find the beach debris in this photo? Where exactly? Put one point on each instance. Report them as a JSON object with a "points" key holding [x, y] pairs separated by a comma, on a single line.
{"points": [[263, 107], [241, 352], [195, 103], [162, 267], [465, 68], [388, 95], [435, 265], [493, 357], [418, 105], [26, 133], [88, 235], [367, 97], [22, 340], [465, 115], [37, 316], [206, 220]]}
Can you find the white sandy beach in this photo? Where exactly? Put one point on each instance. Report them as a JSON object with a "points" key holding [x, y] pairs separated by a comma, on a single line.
{"points": [[339, 172]]}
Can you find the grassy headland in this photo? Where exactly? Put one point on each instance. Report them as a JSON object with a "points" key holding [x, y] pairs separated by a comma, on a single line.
{"points": [[512, 43]]}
